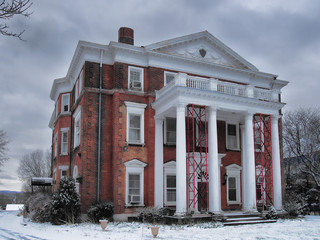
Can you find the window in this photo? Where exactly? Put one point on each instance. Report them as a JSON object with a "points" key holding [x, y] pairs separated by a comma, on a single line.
{"points": [[201, 132], [171, 189], [168, 77], [63, 171], [65, 103], [170, 183], [233, 184], [77, 127], [232, 136], [64, 141], [56, 145], [135, 122], [260, 185], [75, 175], [170, 132], [134, 182], [258, 137], [135, 79], [56, 109]]}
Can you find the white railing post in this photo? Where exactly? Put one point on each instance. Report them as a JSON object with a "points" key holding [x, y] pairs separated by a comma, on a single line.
{"points": [[249, 91], [181, 79], [213, 84]]}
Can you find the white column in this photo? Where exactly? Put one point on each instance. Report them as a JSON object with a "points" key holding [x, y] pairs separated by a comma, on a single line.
{"points": [[158, 163], [276, 163], [214, 181], [181, 169], [250, 171], [245, 205]]}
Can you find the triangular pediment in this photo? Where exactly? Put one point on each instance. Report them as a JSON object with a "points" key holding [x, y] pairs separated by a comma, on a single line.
{"points": [[204, 47]]}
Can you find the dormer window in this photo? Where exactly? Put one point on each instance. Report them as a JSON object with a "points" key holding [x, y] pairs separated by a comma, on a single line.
{"points": [[135, 79]]}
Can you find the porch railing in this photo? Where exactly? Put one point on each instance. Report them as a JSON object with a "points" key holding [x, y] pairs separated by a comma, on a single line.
{"points": [[215, 85]]}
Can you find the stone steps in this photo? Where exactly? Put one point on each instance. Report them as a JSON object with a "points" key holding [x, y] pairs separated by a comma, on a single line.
{"points": [[244, 219]]}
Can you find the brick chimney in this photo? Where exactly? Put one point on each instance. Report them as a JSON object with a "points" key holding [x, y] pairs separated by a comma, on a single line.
{"points": [[125, 35]]}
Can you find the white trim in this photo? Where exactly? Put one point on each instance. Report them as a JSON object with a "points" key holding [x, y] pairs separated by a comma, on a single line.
{"points": [[135, 167], [63, 168], [166, 73], [64, 131], [141, 78], [138, 110], [77, 118], [237, 148], [233, 170], [56, 144], [65, 95]]}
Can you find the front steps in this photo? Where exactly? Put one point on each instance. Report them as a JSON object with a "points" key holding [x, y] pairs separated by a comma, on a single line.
{"points": [[234, 219]]}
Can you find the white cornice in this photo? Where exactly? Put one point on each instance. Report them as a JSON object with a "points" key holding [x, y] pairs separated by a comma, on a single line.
{"points": [[146, 56]]}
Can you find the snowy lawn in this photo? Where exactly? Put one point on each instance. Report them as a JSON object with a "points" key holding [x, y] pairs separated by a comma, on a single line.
{"points": [[11, 225]]}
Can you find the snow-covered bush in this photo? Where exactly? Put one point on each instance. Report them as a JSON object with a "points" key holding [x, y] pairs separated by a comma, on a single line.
{"points": [[102, 210], [152, 215], [37, 207], [65, 203], [271, 213]]}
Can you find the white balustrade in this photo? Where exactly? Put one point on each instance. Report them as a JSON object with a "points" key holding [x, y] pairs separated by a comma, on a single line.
{"points": [[215, 85]]}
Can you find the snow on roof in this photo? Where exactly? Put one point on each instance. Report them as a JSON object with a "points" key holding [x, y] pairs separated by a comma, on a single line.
{"points": [[14, 207]]}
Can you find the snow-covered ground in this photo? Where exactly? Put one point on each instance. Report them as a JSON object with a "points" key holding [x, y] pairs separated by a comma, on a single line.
{"points": [[11, 227]]}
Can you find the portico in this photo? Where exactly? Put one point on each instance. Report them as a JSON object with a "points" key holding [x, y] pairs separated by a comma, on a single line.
{"points": [[224, 101]]}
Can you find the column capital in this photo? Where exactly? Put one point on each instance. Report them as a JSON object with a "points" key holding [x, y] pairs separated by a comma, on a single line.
{"points": [[213, 108], [181, 107], [158, 119], [275, 117]]}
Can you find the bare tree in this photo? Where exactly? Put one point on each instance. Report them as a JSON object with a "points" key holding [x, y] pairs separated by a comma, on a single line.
{"points": [[301, 135], [9, 9], [34, 164], [4, 141]]}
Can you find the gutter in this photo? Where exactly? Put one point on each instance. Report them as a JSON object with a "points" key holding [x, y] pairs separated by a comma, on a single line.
{"points": [[99, 130]]}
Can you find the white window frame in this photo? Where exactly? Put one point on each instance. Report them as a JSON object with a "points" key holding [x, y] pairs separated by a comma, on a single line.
{"points": [[77, 129], [260, 168], [233, 170], [165, 132], [141, 78], [135, 109], [256, 126], [65, 101], [169, 170], [56, 144], [237, 148], [75, 175], [62, 169], [66, 144], [166, 74], [136, 167]]}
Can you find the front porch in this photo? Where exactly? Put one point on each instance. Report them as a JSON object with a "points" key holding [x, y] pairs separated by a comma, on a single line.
{"points": [[200, 161]]}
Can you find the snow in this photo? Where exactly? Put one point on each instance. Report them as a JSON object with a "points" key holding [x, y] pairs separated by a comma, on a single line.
{"points": [[11, 227], [14, 207]]}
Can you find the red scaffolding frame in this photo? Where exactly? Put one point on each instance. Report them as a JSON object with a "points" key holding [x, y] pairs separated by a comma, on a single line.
{"points": [[263, 160], [197, 166]]}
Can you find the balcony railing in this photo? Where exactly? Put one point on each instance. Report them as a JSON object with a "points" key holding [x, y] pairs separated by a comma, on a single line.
{"points": [[215, 85]]}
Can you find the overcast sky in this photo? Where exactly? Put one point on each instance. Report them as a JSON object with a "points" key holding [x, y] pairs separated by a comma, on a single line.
{"points": [[277, 36]]}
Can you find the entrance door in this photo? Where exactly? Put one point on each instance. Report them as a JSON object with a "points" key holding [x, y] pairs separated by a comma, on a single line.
{"points": [[202, 196]]}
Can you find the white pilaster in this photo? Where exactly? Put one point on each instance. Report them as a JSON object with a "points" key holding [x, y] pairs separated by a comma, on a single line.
{"points": [[214, 168], [244, 168], [276, 163], [250, 171], [181, 169], [158, 163]]}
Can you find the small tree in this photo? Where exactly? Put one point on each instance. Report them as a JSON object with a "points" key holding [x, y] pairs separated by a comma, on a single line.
{"points": [[34, 164], [65, 203], [4, 141]]}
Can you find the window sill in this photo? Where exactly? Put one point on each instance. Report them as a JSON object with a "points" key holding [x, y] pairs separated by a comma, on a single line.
{"points": [[137, 144], [63, 154]]}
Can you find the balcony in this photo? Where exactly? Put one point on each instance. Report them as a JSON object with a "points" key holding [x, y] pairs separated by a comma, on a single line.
{"points": [[214, 85]]}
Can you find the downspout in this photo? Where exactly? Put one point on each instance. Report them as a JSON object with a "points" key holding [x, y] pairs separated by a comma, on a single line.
{"points": [[99, 129]]}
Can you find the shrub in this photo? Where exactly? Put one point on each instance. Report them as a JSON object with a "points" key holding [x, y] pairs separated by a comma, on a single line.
{"points": [[152, 215], [272, 213], [37, 207], [101, 210], [65, 203]]}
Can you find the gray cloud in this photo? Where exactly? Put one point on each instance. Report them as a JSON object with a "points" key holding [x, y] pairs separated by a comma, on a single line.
{"points": [[277, 36]]}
